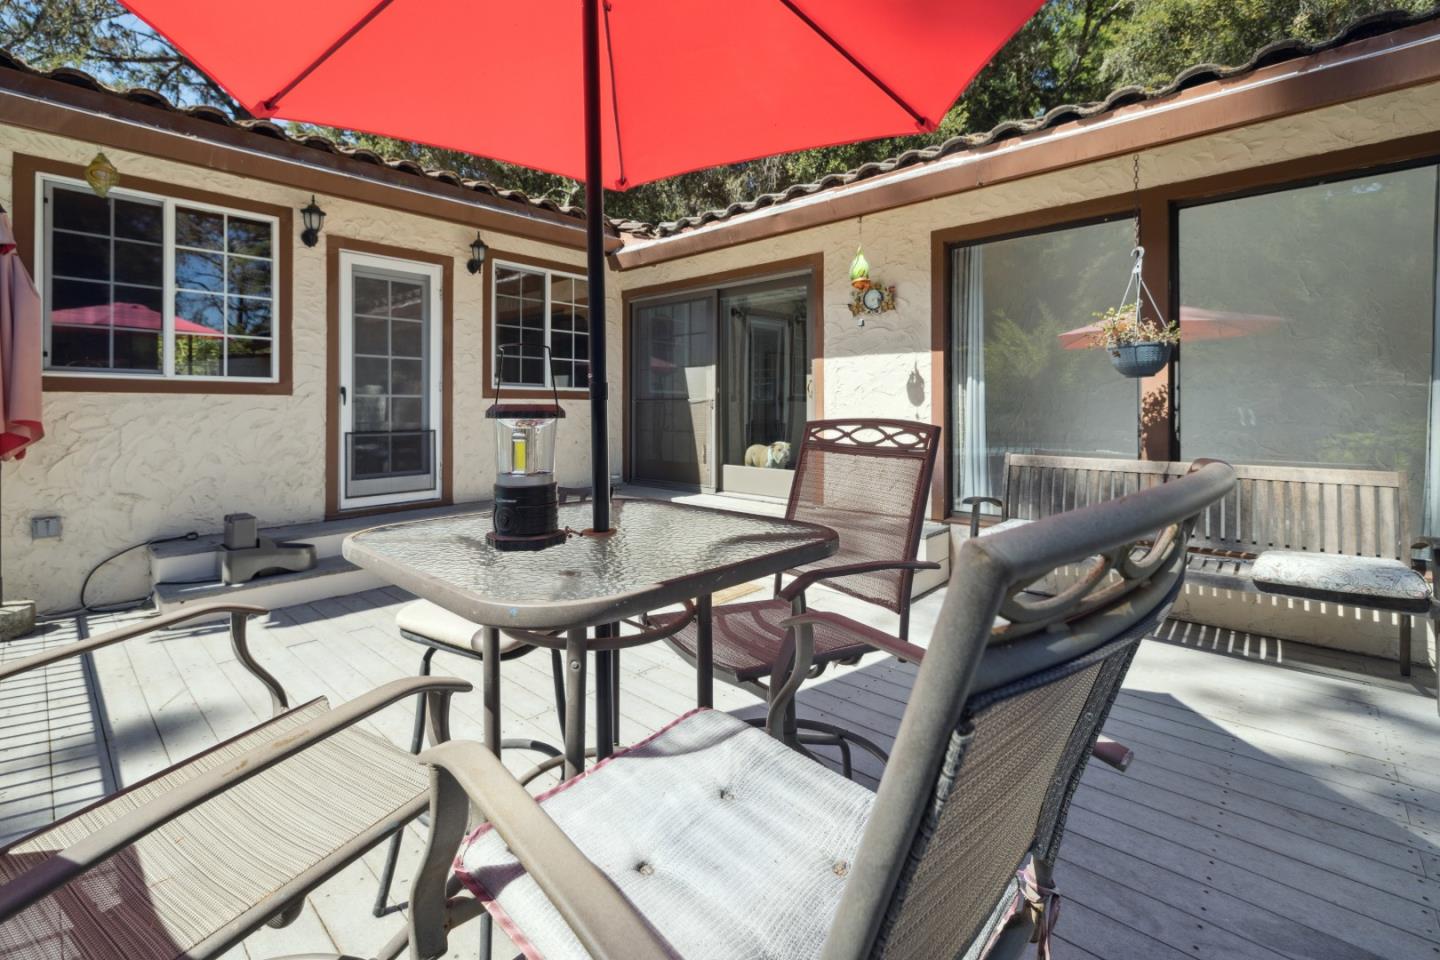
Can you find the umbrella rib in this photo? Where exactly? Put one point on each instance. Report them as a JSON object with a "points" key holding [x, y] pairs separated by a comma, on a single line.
{"points": [[884, 88], [272, 102], [614, 96]]}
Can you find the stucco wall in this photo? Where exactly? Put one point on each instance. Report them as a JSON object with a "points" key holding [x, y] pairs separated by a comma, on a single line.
{"points": [[123, 467]]}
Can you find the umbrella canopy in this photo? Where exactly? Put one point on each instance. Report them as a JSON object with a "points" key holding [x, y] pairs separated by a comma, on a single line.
{"points": [[683, 84], [1196, 323], [20, 346], [611, 92]]}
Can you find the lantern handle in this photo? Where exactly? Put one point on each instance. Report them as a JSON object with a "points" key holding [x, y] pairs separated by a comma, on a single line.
{"points": [[520, 351]]}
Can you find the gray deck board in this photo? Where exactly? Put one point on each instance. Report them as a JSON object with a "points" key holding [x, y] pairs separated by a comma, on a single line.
{"points": [[1284, 801]]}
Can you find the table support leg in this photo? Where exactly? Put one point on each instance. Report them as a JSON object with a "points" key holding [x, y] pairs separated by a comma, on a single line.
{"points": [[490, 687], [574, 702], [1406, 632], [604, 696], [704, 654]]}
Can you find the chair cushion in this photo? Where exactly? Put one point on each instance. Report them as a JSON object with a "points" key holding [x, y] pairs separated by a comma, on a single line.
{"points": [[746, 637], [1003, 525], [1333, 573], [730, 844], [170, 891], [433, 624]]}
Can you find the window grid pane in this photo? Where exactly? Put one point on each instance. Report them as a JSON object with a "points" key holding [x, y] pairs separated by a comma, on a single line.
{"points": [[535, 309], [105, 279]]}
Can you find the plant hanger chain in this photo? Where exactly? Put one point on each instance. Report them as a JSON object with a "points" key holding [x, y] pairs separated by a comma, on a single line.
{"points": [[1136, 280]]}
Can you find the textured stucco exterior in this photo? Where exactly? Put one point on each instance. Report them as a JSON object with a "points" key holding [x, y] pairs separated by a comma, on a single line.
{"points": [[120, 468]]}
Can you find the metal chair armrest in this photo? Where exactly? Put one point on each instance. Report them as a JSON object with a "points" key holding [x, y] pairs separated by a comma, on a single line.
{"points": [[798, 586], [463, 772], [975, 503], [237, 611], [55, 872]]}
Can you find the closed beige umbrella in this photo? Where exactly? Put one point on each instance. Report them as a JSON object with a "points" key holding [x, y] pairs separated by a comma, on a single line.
{"points": [[20, 346]]}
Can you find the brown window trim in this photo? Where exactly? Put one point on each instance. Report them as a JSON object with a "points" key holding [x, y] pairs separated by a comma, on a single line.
{"points": [[487, 282], [813, 263], [333, 246], [29, 169], [1159, 208]]}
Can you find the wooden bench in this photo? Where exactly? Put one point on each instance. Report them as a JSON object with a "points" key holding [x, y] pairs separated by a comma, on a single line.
{"points": [[1336, 535]]}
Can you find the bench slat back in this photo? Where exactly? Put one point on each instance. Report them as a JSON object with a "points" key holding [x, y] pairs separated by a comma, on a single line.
{"points": [[1323, 509]]}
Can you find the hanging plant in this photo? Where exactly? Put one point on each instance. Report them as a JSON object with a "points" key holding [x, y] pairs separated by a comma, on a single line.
{"points": [[1138, 346]]}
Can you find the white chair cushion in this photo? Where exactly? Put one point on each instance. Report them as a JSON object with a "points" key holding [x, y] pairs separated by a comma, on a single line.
{"points": [[435, 623], [1360, 576], [731, 845]]}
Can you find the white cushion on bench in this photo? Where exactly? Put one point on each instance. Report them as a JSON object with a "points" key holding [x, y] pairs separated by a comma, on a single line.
{"points": [[1360, 576], [1002, 526]]}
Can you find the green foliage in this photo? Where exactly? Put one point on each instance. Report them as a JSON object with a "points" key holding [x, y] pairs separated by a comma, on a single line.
{"points": [[1071, 51]]}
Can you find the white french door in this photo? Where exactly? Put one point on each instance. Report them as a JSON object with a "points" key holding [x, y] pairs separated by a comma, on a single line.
{"points": [[390, 381]]}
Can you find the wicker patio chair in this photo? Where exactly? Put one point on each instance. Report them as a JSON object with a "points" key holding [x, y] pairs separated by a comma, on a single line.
{"points": [[869, 481], [711, 840], [188, 862]]}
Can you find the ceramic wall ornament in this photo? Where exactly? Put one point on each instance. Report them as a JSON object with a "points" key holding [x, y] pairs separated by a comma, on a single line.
{"points": [[867, 296]]}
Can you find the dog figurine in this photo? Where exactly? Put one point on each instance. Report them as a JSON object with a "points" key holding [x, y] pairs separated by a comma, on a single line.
{"points": [[776, 454]]}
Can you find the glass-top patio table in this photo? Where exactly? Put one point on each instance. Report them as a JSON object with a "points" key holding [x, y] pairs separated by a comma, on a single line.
{"points": [[658, 554]]}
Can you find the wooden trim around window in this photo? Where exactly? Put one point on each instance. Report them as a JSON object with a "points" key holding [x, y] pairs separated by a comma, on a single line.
{"points": [[29, 169], [941, 373], [814, 263], [487, 283], [334, 245]]}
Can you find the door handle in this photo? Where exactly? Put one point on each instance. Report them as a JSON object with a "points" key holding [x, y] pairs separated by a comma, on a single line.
{"points": [[344, 397]]}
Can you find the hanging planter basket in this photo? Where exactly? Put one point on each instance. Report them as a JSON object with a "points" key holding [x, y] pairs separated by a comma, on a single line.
{"points": [[1137, 360]]}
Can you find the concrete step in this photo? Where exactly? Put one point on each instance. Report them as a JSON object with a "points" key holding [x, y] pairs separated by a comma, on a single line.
{"points": [[331, 577]]}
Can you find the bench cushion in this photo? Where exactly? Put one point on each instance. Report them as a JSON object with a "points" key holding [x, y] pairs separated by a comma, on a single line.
{"points": [[429, 623], [1376, 577], [732, 845]]}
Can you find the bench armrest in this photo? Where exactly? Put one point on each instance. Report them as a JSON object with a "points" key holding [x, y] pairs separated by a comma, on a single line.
{"points": [[974, 503], [462, 772], [64, 867], [238, 613], [798, 586]]}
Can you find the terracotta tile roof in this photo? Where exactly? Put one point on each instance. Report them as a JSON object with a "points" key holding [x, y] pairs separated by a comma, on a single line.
{"points": [[266, 130], [1277, 52]]}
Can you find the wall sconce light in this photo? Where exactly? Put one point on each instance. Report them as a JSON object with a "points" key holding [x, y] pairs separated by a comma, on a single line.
{"points": [[313, 218], [101, 175], [477, 254]]}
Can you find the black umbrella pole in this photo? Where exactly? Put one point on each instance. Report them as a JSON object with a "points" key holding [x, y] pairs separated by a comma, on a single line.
{"points": [[595, 269]]}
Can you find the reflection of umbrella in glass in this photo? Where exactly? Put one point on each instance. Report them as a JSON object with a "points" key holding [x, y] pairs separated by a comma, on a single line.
{"points": [[126, 316], [1196, 323]]}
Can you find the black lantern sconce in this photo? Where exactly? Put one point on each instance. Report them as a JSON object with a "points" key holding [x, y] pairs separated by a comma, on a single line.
{"points": [[477, 254], [313, 218]]}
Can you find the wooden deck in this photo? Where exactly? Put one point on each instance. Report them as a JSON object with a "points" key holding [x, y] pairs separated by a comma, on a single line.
{"points": [[1284, 802]]}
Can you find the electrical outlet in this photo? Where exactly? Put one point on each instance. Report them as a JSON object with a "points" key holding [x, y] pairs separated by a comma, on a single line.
{"points": [[42, 528]]}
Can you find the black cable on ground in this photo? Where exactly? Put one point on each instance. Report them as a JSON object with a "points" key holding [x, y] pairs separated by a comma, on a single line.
{"points": [[120, 605]]}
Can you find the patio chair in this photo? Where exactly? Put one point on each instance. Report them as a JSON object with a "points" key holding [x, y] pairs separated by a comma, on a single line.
{"points": [[869, 481], [712, 840], [188, 862]]}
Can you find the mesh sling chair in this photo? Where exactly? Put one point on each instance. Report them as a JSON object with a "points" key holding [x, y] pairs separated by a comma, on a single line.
{"points": [[188, 862], [869, 481], [713, 840]]}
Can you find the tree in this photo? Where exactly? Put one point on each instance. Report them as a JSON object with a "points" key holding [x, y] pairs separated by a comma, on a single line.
{"points": [[1071, 51]]}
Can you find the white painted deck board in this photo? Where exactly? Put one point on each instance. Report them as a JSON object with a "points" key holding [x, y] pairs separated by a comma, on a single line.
{"points": [[1275, 809]]}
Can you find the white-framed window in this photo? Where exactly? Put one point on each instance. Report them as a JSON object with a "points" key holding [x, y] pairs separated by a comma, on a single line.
{"points": [[141, 285], [533, 308]]}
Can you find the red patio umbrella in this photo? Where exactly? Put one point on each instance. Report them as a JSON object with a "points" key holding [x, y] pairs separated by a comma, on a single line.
{"points": [[611, 92]]}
